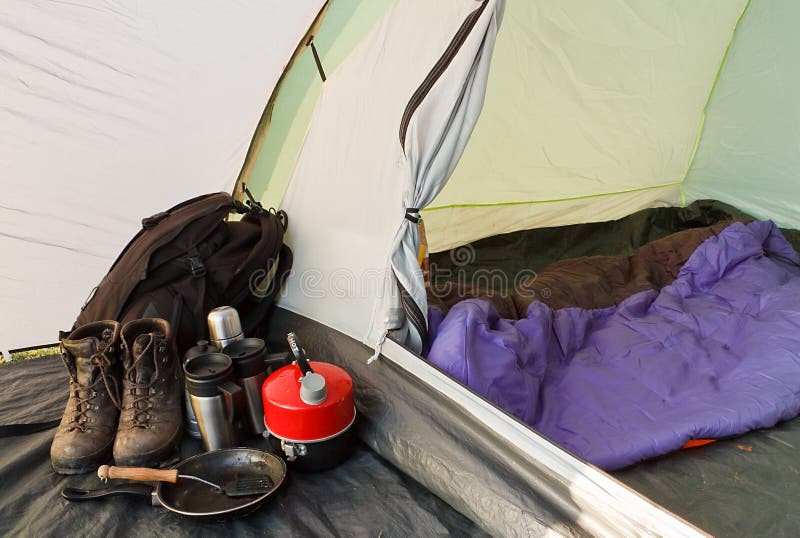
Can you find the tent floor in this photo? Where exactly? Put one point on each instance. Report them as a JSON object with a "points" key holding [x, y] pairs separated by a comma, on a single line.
{"points": [[743, 486], [365, 496]]}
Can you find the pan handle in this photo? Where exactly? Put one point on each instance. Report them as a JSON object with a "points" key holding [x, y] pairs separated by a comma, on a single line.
{"points": [[140, 474], [75, 495]]}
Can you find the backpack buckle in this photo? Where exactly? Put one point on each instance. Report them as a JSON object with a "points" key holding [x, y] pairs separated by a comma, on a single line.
{"points": [[197, 267]]}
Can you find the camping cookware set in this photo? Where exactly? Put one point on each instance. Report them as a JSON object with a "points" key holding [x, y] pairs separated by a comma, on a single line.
{"points": [[305, 409], [309, 411]]}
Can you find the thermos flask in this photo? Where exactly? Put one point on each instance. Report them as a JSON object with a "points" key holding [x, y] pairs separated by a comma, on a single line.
{"points": [[250, 370], [224, 326], [214, 397], [191, 426]]}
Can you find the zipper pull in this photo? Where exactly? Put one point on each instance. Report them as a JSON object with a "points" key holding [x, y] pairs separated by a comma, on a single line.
{"points": [[394, 321], [375, 356]]}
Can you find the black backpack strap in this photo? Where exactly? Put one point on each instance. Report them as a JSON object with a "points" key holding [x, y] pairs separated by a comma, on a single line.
{"points": [[13, 430], [199, 274], [257, 307]]}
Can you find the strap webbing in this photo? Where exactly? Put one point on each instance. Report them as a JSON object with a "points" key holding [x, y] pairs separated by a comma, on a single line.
{"points": [[12, 430], [412, 214], [316, 58]]}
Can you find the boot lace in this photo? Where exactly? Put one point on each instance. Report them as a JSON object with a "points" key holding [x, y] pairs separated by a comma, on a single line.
{"points": [[141, 415], [80, 417], [141, 393]]}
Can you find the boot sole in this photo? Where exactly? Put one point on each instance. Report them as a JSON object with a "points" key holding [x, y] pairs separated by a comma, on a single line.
{"points": [[87, 465], [165, 455], [77, 470]]}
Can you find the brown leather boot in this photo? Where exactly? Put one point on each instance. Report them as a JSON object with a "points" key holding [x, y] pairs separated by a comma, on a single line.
{"points": [[86, 433], [150, 424]]}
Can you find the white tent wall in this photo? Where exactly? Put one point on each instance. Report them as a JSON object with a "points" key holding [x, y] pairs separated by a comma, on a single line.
{"points": [[346, 197], [749, 151], [344, 24], [111, 112], [592, 112]]}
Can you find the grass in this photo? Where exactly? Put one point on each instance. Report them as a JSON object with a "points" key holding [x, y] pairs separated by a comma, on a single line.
{"points": [[34, 353]]}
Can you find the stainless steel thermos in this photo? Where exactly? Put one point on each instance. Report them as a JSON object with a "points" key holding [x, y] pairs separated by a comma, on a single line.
{"points": [[250, 370], [214, 397], [191, 427], [224, 326], [208, 381]]}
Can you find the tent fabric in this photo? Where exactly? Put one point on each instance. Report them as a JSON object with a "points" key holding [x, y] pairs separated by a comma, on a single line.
{"points": [[604, 383], [365, 496], [436, 135], [748, 151], [344, 24], [347, 193], [467, 223], [112, 112], [586, 102]]}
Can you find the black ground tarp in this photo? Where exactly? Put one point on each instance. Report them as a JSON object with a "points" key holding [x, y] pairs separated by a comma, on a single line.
{"points": [[365, 496], [746, 486]]}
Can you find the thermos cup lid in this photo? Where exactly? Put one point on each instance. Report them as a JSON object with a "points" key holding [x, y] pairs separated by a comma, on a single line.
{"points": [[248, 357], [202, 347], [205, 372], [224, 324]]}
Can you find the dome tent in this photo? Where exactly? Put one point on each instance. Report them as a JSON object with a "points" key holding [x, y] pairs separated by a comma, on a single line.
{"points": [[514, 116], [490, 117]]}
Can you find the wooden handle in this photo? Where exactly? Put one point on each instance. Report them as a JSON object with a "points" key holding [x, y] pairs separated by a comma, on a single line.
{"points": [[140, 474]]}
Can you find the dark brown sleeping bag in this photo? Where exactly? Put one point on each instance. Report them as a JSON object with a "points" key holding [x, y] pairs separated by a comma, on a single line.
{"points": [[586, 281], [603, 281]]}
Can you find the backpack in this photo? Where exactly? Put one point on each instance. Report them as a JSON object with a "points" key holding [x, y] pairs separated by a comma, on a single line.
{"points": [[191, 258]]}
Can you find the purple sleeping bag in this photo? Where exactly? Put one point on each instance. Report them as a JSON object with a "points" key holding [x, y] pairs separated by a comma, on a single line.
{"points": [[714, 354]]}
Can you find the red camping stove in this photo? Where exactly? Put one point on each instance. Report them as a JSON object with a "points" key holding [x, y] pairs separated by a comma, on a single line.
{"points": [[309, 412]]}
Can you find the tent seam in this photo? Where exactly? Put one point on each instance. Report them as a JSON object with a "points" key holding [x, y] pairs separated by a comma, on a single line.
{"points": [[701, 127], [566, 199], [265, 119]]}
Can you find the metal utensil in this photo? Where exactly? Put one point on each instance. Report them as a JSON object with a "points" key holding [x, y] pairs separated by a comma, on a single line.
{"points": [[236, 487]]}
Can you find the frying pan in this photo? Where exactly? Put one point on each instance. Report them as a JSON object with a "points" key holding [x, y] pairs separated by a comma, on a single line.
{"points": [[195, 499]]}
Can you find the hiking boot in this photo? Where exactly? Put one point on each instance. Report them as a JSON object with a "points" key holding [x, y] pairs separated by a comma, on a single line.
{"points": [[150, 423], [85, 436]]}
